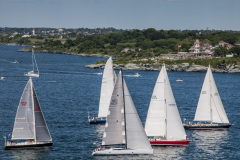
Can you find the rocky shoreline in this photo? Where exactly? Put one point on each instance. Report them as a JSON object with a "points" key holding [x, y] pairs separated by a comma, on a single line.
{"points": [[57, 52], [184, 67]]}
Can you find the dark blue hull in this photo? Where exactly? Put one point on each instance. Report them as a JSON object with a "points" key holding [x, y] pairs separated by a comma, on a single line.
{"points": [[207, 127], [97, 121], [33, 146]]}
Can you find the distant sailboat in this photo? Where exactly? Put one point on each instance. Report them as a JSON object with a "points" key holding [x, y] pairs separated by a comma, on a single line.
{"points": [[32, 73], [123, 128], [30, 129], [210, 108], [163, 124], [108, 81]]}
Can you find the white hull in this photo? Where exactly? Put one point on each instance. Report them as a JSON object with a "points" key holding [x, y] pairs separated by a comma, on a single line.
{"points": [[122, 152]]}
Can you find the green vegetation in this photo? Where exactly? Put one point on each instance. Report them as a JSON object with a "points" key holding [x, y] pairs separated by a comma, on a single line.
{"points": [[144, 44]]}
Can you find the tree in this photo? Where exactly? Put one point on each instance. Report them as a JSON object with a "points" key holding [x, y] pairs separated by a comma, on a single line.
{"points": [[221, 51]]}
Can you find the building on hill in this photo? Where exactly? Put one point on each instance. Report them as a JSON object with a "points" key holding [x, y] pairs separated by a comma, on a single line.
{"points": [[222, 44], [125, 50], [201, 48]]}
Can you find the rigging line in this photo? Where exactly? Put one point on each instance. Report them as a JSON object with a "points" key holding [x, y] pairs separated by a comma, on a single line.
{"points": [[124, 109]]}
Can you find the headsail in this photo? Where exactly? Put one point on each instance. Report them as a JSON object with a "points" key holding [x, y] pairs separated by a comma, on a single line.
{"points": [[210, 107], [163, 119], [24, 122], [115, 128], [175, 129], [108, 82], [136, 136], [42, 132]]}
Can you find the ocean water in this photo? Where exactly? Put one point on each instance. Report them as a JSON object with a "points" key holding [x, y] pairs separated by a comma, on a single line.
{"points": [[67, 91]]}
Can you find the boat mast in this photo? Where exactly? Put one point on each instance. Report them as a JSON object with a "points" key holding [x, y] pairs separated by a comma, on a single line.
{"points": [[165, 101], [210, 93], [33, 108], [124, 107]]}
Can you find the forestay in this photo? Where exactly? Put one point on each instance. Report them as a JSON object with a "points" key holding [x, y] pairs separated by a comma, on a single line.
{"points": [[108, 81]]}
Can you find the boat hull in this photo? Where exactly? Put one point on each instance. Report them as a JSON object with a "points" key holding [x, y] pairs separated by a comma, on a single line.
{"points": [[9, 146], [207, 127], [105, 152], [169, 143], [97, 120]]}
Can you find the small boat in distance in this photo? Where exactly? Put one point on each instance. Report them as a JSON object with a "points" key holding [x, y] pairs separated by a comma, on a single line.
{"points": [[135, 75], [163, 123], [30, 129], [124, 133], [14, 61], [32, 73], [179, 80], [210, 113], [108, 81], [2, 78], [100, 73]]}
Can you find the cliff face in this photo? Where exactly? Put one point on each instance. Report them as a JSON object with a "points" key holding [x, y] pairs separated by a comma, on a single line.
{"points": [[184, 67]]}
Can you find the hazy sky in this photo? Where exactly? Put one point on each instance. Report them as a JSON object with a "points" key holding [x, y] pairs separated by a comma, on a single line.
{"points": [[122, 14]]}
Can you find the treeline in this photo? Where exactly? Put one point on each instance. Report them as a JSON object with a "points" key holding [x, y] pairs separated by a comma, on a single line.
{"points": [[145, 43]]}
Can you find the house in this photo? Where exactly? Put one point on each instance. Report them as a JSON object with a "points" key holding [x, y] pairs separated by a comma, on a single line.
{"points": [[201, 48], [125, 50], [222, 44]]}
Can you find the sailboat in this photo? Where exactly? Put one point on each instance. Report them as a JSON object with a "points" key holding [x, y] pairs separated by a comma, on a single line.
{"points": [[30, 129], [210, 108], [124, 133], [163, 123], [108, 81]]}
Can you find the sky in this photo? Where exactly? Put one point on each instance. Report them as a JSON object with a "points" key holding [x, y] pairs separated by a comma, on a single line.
{"points": [[122, 14]]}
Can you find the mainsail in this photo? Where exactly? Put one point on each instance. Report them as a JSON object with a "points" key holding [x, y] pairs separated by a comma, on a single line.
{"points": [[108, 81], [163, 119], [123, 112], [115, 126], [210, 107], [29, 121], [24, 120]]}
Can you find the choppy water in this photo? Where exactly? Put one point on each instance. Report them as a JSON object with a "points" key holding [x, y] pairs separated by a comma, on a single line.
{"points": [[66, 90]]}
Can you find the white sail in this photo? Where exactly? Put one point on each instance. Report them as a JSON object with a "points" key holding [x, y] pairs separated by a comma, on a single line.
{"points": [[122, 111], [163, 119], [136, 136], [29, 121], [114, 133], [24, 126], [42, 132], [108, 82], [203, 112], [210, 107], [156, 118], [175, 129]]}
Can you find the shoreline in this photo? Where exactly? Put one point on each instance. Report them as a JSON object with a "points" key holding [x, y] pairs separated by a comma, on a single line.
{"points": [[67, 53], [184, 67]]}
